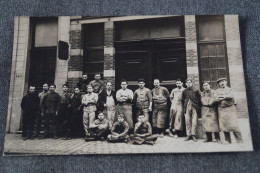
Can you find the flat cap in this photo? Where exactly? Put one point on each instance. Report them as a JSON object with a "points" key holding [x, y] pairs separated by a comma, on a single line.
{"points": [[221, 79]]}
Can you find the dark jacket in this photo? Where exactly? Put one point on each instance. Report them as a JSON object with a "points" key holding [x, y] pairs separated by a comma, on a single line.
{"points": [[82, 84], [193, 95], [51, 102], [102, 99], [30, 103], [76, 101]]}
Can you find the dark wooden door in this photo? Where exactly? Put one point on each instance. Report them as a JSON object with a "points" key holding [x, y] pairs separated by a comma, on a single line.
{"points": [[131, 66], [42, 66], [164, 59]]}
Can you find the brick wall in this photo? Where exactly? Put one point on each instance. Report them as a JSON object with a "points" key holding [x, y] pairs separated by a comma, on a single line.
{"points": [[75, 63], [235, 63], [75, 68], [191, 49], [109, 53]]}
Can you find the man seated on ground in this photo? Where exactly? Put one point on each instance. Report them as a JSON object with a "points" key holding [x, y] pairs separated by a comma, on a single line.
{"points": [[119, 131], [143, 132], [99, 129]]}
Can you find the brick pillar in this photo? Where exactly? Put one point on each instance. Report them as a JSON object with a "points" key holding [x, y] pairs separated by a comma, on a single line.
{"points": [[191, 48], [20, 66], [61, 73], [76, 54], [192, 59], [235, 63], [109, 53]]}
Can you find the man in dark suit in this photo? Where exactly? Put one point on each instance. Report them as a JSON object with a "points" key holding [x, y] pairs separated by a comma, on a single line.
{"points": [[30, 106]]}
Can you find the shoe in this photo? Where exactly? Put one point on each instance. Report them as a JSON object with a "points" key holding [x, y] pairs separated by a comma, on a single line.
{"points": [[87, 139], [161, 135], [102, 138], [69, 138], [218, 141], [175, 136], [226, 142], [194, 139], [207, 140], [126, 140], [187, 138], [149, 142], [65, 138], [55, 137], [25, 138], [170, 134]]}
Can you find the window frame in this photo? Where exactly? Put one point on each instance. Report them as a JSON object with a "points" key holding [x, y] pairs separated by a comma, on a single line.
{"points": [[212, 42], [92, 48]]}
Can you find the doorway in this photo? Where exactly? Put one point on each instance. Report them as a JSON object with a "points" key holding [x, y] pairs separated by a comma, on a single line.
{"points": [[164, 59]]}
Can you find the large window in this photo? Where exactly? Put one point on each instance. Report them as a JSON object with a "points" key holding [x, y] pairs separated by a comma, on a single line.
{"points": [[168, 27], [212, 49], [46, 32], [93, 61]]}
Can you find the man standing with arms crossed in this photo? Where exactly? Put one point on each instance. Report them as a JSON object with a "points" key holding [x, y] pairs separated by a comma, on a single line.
{"points": [[227, 112], [89, 101], [124, 98]]}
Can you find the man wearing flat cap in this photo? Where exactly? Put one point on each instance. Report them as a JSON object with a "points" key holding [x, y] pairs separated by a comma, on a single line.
{"points": [[227, 112]]}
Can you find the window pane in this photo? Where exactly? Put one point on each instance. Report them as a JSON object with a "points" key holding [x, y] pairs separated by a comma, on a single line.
{"points": [[221, 62], [204, 51], [213, 62], [150, 28], [93, 67], [210, 28], [46, 33], [94, 55], [93, 35], [204, 63], [167, 27], [205, 75], [220, 50], [213, 75], [222, 73], [212, 50]]}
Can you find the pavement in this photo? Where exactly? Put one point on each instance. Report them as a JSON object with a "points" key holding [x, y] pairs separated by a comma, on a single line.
{"points": [[15, 145]]}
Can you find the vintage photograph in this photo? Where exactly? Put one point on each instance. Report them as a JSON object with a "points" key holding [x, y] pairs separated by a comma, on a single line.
{"points": [[127, 84]]}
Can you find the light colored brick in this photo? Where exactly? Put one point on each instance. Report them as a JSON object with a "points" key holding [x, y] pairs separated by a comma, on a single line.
{"points": [[74, 74]]}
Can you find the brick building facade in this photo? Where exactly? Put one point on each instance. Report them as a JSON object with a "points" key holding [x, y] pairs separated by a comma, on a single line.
{"points": [[97, 43]]}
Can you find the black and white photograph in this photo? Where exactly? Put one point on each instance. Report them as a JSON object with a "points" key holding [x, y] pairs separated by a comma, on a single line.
{"points": [[127, 85]]}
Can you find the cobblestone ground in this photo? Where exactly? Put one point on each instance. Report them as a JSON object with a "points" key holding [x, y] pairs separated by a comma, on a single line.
{"points": [[15, 145]]}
